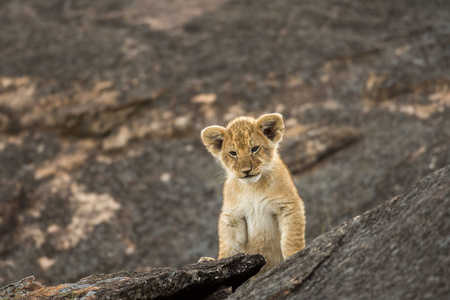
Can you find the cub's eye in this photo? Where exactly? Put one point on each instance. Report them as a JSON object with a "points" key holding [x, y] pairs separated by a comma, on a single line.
{"points": [[255, 149], [233, 153]]}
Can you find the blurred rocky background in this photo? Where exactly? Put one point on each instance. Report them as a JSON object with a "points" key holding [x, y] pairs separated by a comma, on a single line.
{"points": [[102, 103]]}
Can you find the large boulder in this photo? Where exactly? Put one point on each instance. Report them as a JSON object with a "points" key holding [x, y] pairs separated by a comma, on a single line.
{"points": [[399, 250]]}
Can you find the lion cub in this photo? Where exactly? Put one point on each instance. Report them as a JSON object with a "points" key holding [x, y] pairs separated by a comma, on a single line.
{"points": [[262, 211]]}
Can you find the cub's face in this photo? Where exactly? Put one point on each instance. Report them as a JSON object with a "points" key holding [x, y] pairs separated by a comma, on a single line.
{"points": [[246, 147]]}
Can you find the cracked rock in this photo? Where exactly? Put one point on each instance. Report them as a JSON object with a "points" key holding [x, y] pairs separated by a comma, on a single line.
{"points": [[212, 279]]}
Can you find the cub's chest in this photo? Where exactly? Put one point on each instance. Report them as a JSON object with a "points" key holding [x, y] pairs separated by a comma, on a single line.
{"points": [[259, 214]]}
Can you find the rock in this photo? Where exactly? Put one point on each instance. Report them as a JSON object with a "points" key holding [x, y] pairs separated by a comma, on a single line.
{"points": [[98, 121], [399, 250], [412, 167], [12, 201], [131, 100], [315, 145], [221, 293], [24, 286], [212, 278], [8, 121]]}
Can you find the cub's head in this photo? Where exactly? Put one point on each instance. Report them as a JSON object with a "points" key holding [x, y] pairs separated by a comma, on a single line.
{"points": [[246, 147]]}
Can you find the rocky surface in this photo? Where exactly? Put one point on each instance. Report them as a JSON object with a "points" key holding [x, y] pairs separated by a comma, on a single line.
{"points": [[213, 279], [12, 201], [399, 250], [102, 103]]}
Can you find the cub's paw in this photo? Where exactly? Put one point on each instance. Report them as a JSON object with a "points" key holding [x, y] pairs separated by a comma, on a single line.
{"points": [[206, 259]]}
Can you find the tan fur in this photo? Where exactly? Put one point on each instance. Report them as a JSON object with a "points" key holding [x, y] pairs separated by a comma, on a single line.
{"points": [[261, 213]]}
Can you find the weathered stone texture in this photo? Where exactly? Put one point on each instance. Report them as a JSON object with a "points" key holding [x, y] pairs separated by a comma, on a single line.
{"points": [[191, 282], [102, 103]]}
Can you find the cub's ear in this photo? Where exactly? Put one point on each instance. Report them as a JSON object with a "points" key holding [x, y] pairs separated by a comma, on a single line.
{"points": [[272, 126], [213, 138]]}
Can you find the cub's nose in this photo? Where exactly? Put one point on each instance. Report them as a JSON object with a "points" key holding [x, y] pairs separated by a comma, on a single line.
{"points": [[247, 170]]}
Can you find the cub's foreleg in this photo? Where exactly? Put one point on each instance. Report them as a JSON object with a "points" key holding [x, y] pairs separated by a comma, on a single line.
{"points": [[232, 233], [292, 225]]}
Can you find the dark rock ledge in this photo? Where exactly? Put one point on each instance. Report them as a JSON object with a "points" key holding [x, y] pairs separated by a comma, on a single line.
{"points": [[213, 279]]}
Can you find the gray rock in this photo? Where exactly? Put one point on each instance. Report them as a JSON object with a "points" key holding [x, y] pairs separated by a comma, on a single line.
{"points": [[12, 200], [101, 113], [399, 250]]}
